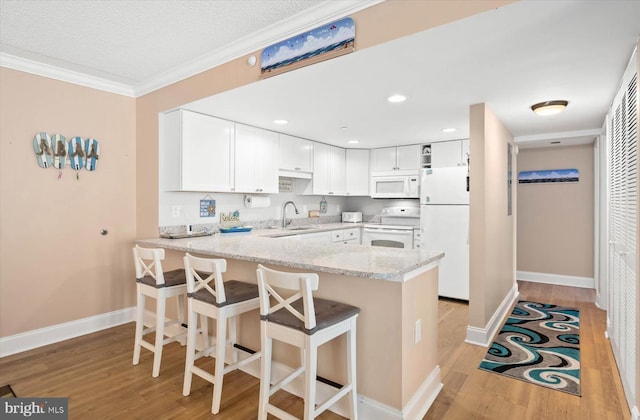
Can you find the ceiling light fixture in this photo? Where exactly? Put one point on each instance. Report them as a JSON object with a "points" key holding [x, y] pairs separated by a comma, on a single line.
{"points": [[353, 141], [448, 130], [280, 122], [549, 107], [394, 99]]}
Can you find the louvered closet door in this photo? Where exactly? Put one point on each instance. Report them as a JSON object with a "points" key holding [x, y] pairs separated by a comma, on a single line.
{"points": [[623, 225]]}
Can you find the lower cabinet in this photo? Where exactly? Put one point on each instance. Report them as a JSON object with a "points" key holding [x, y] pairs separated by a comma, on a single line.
{"points": [[347, 236]]}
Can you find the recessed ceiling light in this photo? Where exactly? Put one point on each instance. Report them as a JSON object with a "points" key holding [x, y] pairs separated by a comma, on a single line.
{"points": [[353, 141], [549, 107], [280, 122], [344, 128], [448, 130], [394, 99]]}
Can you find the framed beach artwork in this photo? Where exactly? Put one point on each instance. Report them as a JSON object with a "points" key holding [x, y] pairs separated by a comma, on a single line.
{"points": [[547, 176], [319, 44]]}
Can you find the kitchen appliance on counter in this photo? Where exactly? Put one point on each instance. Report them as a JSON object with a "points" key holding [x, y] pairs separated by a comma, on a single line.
{"points": [[396, 229], [352, 216], [444, 221]]}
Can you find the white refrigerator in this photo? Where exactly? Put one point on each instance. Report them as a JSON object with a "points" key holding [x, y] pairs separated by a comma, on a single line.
{"points": [[444, 220]]}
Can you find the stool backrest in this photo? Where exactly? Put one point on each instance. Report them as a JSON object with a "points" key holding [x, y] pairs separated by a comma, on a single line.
{"points": [[149, 263], [275, 284], [197, 268]]}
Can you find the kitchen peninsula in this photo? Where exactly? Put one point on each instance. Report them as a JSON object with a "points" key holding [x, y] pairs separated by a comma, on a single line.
{"points": [[396, 289]]}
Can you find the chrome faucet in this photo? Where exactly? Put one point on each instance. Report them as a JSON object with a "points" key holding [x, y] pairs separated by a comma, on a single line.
{"points": [[284, 212]]}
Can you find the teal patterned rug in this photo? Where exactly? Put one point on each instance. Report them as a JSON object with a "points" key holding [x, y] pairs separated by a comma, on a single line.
{"points": [[539, 343]]}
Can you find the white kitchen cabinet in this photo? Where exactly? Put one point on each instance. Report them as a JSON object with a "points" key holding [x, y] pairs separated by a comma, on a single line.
{"points": [[447, 154], [351, 236], [295, 154], [196, 152], [317, 237], [357, 172], [328, 170], [401, 158], [256, 167]]}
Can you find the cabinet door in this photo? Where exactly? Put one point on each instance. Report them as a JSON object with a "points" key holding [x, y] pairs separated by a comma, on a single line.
{"points": [[337, 171], [446, 154], [320, 168], [318, 237], [256, 166], [207, 153], [245, 159], [408, 157], [266, 161], [383, 159], [295, 154], [357, 172]]}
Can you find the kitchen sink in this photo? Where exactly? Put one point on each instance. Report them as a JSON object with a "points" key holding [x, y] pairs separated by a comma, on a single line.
{"points": [[301, 228]]}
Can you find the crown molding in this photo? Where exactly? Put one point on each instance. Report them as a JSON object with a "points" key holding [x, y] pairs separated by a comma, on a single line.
{"points": [[64, 75], [306, 20]]}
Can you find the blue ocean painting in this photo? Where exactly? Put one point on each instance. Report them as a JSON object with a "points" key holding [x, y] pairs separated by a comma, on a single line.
{"points": [[553, 175], [330, 37]]}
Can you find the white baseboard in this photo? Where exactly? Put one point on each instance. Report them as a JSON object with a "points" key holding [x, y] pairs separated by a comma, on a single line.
{"points": [[484, 336], [43, 336], [557, 279], [635, 413], [368, 408]]}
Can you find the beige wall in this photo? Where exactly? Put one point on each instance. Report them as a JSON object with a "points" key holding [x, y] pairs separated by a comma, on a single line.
{"points": [[491, 230], [126, 182], [555, 220], [55, 266]]}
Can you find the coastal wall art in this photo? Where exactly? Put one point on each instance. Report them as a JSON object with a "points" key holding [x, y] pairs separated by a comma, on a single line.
{"points": [[547, 176], [319, 44]]}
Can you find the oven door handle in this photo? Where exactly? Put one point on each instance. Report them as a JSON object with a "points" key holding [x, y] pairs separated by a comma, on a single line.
{"points": [[379, 230]]}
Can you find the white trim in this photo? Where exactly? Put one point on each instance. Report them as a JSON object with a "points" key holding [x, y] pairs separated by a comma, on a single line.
{"points": [[421, 401], [368, 408], [484, 336], [554, 136], [48, 335], [635, 413], [306, 20], [64, 75], [556, 279]]}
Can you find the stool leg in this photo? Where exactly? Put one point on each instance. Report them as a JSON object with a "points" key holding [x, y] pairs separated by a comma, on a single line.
{"points": [[310, 368], [191, 350], [204, 331], [161, 302], [232, 339], [139, 325], [351, 371], [221, 335], [180, 299], [265, 371]]}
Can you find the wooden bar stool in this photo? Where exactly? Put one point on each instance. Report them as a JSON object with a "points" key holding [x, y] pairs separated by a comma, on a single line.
{"points": [[211, 297], [305, 322], [153, 282]]}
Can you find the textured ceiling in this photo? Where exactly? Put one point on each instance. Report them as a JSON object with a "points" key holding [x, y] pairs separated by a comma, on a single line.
{"points": [[129, 41]]}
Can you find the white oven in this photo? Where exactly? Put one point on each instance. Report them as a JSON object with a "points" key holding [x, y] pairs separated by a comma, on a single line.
{"points": [[389, 236], [396, 229]]}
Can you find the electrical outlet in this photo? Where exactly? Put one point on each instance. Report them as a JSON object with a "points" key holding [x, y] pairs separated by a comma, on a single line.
{"points": [[417, 331], [175, 211]]}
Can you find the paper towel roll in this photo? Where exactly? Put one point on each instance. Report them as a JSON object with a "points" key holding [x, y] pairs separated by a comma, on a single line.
{"points": [[256, 201]]}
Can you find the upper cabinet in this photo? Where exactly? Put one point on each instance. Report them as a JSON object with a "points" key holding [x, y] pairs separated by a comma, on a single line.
{"points": [[401, 158], [357, 172], [295, 155], [446, 154], [196, 152], [329, 169], [256, 163]]}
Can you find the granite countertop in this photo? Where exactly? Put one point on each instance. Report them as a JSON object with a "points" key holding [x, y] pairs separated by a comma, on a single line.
{"points": [[271, 246]]}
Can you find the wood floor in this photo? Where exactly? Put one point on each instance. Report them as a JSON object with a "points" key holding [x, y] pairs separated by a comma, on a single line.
{"points": [[95, 373]]}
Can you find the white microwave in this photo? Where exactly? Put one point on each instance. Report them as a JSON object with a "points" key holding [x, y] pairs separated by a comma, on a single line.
{"points": [[395, 186]]}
